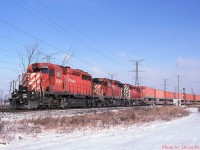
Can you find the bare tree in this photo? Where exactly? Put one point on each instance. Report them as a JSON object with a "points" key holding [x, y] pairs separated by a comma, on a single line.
{"points": [[67, 57], [29, 55]]}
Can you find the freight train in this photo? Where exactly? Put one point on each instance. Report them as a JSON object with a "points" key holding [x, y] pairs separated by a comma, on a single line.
{"points": [[47, 85]]}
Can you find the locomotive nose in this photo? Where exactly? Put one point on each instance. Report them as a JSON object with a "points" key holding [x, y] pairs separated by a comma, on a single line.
{"points": [[31, 81]]}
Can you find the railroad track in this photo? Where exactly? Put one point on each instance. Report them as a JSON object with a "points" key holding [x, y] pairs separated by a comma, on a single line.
{"points": [[63, 109], [11, 114], [51, 110], [86, 108], [27, 114]]}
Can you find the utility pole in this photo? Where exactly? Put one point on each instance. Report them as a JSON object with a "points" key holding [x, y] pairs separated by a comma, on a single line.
{"points": [[178, 89], [112, 75], [184, 96], [136, 70]]}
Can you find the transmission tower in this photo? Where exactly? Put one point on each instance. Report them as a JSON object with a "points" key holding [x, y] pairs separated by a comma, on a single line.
{"points": [[165, 87], [136, 70], [112, 75], [165, 84], [48, 57]]}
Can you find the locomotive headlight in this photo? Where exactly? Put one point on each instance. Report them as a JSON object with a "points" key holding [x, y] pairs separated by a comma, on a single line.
{"points": [[24, 95]]}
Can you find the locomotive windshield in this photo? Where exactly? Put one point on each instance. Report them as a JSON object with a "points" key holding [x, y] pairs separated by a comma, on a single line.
{"points": [[35, 68], [43, 69], [98, 81], [86, 77]]}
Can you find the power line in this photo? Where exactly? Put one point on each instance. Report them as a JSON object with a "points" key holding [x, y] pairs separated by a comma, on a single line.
{"points": [[28, 34], [32, 36], [9, 63], [81, 60], [48, 57], [9, 39], [66, 21], [84, 61], [63, 30]]}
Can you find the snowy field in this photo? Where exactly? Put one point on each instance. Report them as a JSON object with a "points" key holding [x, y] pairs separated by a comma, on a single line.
{"points": [[180, 134]]}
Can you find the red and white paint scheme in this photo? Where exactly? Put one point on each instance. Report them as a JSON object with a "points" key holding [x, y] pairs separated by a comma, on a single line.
{"points": [[52, 86], [98, 90], [32, 81]]}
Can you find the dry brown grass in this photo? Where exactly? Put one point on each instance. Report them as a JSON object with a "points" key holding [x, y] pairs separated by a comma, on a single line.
{"points": [[126, 117]]}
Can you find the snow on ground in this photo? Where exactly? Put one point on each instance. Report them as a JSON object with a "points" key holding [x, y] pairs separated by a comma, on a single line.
{"points": [[180, 134]]}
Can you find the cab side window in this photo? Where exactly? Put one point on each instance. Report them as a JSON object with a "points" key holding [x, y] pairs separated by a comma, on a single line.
{"points": [[44, 70], [51, 72]]}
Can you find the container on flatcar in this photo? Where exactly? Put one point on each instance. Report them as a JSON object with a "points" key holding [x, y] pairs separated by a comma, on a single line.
{"points": [[189, 99], [197, 99], [147, 94], [160, 97], [169, 96]]}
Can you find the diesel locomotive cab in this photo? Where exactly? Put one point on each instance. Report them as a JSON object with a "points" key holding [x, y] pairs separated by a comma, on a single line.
{"points": [[33, 85], [35, 78]]}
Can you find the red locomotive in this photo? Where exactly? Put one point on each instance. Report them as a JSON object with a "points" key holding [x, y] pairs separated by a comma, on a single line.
{"points": [[49, 85]]}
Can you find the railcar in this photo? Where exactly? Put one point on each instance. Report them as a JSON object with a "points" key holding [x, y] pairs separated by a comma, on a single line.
{"points": [[52, 86], [132, 95], [197, 99], [160, 97], [169, 96], [109, 91], [148, 94], [47, 85]]}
